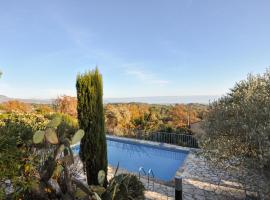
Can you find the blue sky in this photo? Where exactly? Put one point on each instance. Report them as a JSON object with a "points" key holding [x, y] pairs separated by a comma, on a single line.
{"points": [[142, 47]]}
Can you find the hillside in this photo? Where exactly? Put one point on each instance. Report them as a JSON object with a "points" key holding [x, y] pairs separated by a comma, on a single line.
{"points": [[35, 101], [201, 99]]}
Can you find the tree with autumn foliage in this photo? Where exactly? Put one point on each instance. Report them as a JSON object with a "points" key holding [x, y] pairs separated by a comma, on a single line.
{"points": [[16, 106], [43, 109], [67, 105]]}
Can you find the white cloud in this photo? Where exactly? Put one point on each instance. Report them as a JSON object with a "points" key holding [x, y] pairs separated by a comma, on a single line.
{"points": [[29, 93], [53, 93], [143, 75]]}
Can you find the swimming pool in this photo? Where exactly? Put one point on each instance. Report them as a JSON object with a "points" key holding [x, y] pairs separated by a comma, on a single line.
{"points": [[164, 162]]}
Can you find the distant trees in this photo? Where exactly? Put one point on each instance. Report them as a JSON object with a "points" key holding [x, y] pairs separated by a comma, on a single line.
{"points": [[67, 105], [16, 106], [128, 119], [122, 119], [184, 115], [93, 149], [43, 109]]}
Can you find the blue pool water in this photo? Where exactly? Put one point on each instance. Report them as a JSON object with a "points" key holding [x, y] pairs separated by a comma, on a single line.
{"points": [[131, 156]]}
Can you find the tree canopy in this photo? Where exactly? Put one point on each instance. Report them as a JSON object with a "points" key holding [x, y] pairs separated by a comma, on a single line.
{"points": [[238, 125]]}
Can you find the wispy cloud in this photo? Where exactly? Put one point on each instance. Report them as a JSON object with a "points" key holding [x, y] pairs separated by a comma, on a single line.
{"points": [[53, 93], [29, 92], [143, 75]]}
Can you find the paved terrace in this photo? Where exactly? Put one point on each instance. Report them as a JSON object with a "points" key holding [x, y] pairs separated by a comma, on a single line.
{"points": [[202, 181]]}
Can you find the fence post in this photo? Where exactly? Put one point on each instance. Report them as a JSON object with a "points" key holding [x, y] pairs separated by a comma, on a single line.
{"points": [[178, 188]]}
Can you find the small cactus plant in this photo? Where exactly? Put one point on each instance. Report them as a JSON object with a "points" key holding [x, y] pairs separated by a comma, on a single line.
{"points": [[61, 160]]}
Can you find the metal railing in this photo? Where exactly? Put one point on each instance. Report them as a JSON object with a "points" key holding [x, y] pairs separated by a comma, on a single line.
{"points": [[171, 138], [141, 170], [151, 174], [164, 137], [156, 185]]}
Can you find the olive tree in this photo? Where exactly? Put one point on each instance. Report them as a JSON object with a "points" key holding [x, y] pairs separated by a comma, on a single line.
{"points": [[237, 127]]}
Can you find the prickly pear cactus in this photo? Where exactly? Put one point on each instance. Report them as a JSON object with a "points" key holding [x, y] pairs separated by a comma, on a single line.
{"points": [[54, 122], [101, 177], [38, 137], [51, 136], [57, 167], [77, 136]]}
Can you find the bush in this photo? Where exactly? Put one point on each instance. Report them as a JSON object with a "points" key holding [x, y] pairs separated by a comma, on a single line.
{"points": [[238, 125], [17, 161], [21, 126], [125, 186]]}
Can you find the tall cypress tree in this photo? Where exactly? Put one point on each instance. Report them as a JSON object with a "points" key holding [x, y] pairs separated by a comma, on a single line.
{"points": [[93, 149]]}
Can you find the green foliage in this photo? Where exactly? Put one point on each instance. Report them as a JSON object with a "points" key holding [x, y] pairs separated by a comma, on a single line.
{"points": [[133, 118], [21, 126], [238, 125], [68, 125], [93, 149], [17, 161], [124, 186]]}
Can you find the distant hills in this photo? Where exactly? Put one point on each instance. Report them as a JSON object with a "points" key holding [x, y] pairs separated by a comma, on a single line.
{"points": [[203, 99], [36, 101]]}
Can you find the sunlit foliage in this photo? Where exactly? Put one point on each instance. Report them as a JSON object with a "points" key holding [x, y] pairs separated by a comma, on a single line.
{"points": [[17, 161], [238, 125], [67, 105], [16, 106]]}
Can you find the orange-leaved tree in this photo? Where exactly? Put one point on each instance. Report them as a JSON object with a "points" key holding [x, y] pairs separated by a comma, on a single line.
{"points": [[16, 106], [67, 105]]}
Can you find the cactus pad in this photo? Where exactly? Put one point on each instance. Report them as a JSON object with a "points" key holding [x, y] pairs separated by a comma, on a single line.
{"points": [[101, 177], [51, 136], [77, 136], [54, 122], [38, 137]]}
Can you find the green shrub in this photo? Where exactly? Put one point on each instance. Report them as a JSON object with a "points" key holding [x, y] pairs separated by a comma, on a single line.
{"points": [[17, 161], [123, 187], [21, 126], [238, 125]]}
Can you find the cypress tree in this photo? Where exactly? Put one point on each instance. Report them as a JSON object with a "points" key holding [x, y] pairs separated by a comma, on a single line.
{"points": [[93, 148]]}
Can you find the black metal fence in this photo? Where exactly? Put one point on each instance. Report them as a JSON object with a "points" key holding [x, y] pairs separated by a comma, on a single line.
{"points": [[170, 138], [173, 138]]}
